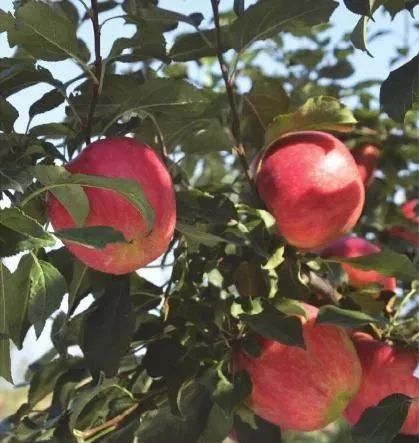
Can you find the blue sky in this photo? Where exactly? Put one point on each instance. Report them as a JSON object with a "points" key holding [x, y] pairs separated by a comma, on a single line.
{"points": [[366, 67]]}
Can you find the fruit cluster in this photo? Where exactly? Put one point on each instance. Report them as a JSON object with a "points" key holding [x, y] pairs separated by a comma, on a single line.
{"points": [[315, 188]]}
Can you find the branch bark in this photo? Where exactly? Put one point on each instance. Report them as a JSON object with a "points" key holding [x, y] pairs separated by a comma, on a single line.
{"points": [[94, 15], [322, 286], [229, 84]]}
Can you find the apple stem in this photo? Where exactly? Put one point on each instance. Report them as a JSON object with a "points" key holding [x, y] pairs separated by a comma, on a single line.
{"points": [[229, 84], [96, 87]]}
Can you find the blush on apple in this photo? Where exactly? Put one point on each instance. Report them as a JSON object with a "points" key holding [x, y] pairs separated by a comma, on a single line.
{"points": [[351, 247], [310, 183], [122, 158], [366, 158], [386, 370], [299, 389]]}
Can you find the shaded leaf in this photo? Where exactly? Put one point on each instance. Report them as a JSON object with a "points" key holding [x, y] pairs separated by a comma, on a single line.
{"points": [[400, 91], [265, 431], [92, 237], [8, 115], [362, 7], [5, 363], [274, 325], [381, 423], [359, 35], [108, 328], [48, 101]]}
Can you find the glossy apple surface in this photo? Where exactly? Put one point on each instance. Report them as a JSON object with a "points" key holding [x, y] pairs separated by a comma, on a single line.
{"points": [[366, 158], [310, 183], [386, 370], [351, 247], [299, 389], [122, 158]]}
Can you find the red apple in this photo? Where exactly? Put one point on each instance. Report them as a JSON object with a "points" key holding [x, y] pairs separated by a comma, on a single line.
{"points": [[299, 389], [411, 212], [366, 158], [386, 370], [351, 247], [310, 183], [123, 158]]}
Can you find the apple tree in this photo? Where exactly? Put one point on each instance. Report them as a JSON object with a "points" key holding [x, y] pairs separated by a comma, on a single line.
{"points": [[234, 153]]}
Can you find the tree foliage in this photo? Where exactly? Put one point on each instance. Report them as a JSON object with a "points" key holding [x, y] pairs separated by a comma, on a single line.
{"points": [[155, 360]]}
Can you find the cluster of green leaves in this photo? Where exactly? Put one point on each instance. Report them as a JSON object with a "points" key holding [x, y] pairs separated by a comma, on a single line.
{"points": [[157, 361]]}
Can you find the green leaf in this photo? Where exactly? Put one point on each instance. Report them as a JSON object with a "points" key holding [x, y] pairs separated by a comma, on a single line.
{"points": [[386, 262], [382, 423], [5, 363], [274, 325], [319, 113], [217, 427], [341, 69], [45, 33], [19, 232], [19, 73], [266, 19], [275, 259], [199, 44], [18, 287], [359, 35], [8, 115], [55, 177], [53, 130], [194, 234], [48, 101], [250, 280], [6, 21], [46, 292], [45, 378], [400, 91], [95, 237], [344, 317], [162, 426], [75, 200], [108, 328], [266, 99]]}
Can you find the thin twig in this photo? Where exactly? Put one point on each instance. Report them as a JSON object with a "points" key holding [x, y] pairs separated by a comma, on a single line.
{"points": [[235, 128], [322, 286], [98, 69]]}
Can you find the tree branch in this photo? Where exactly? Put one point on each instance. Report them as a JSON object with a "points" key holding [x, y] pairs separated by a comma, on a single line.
{"points": [[98, 69], [240, 149], [321, 286]]}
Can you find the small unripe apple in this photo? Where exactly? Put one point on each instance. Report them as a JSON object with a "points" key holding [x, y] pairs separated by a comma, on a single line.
{"points": [[304, 389], [386, 370], [366, 158], [410, 210], [310, 183], [122, 158], [351, 247]]}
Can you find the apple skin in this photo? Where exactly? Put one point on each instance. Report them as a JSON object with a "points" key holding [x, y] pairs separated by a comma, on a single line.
{"points": [[351, 247], [410, 210], [366, 158], [122, 157], [310, 183], [386, 370], [304, 390]]}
